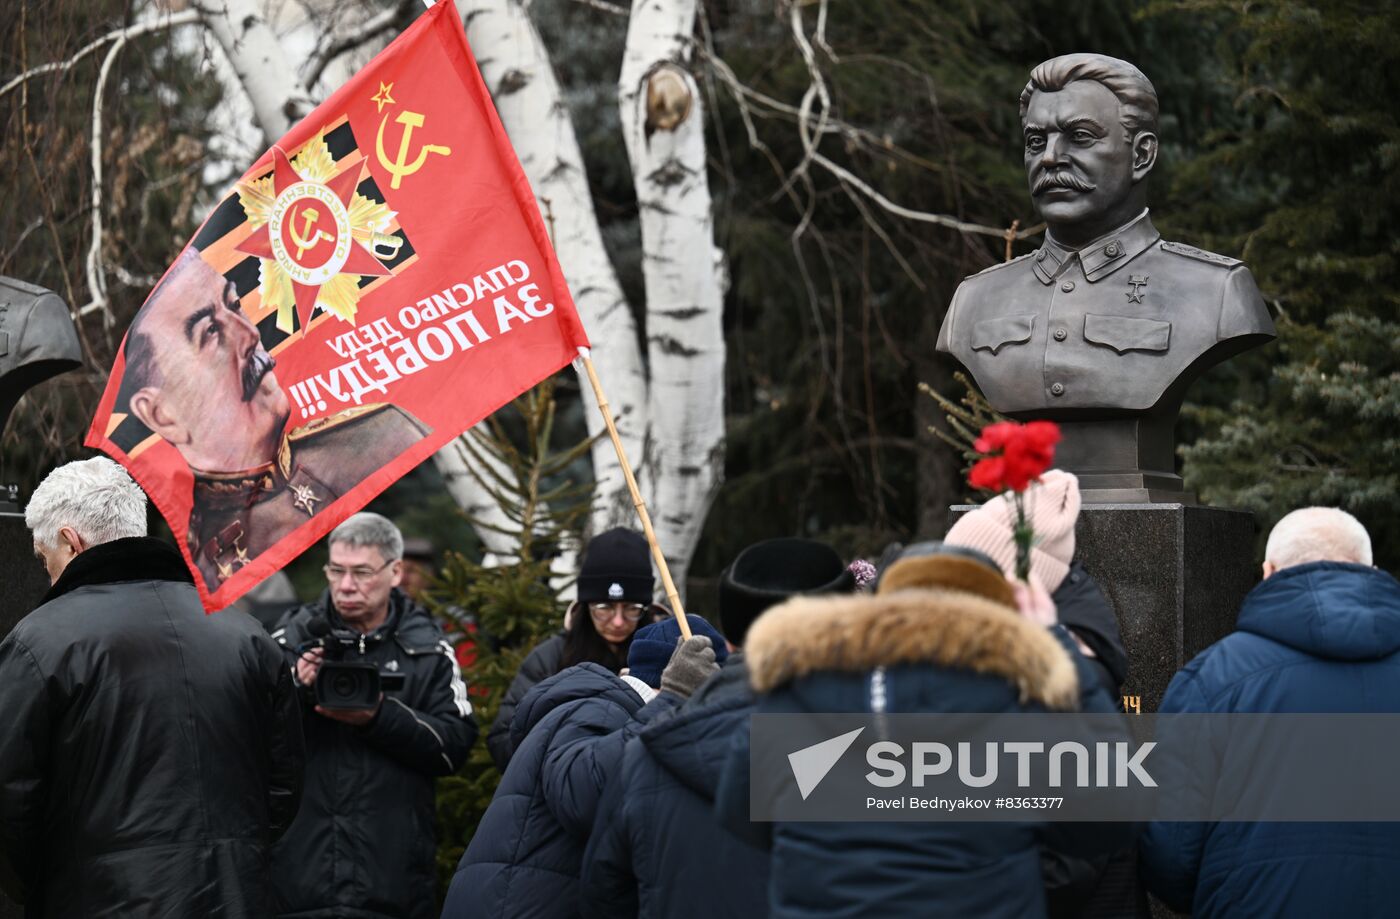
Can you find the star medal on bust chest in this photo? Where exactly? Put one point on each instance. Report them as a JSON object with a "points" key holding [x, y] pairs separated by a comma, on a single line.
{"points": [[1136, 282], [304, 498]]}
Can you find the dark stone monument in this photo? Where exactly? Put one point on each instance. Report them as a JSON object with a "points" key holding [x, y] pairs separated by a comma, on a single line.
{"points": [[37, 341], [1102, 330], [24, 578], [1176, 575]]}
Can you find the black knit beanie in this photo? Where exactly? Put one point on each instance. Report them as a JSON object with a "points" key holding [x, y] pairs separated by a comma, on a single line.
{"points": [[616, 567], [770, 572]]}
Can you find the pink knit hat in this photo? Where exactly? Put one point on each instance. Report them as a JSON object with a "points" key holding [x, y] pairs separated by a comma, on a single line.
{"points": [[1053, 508]]}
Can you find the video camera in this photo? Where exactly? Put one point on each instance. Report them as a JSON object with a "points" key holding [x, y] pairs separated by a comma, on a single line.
{"points": [[346, 685]]}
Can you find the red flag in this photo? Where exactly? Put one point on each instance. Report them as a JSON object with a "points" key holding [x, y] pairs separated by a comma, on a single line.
{"points": [[379, 281]]}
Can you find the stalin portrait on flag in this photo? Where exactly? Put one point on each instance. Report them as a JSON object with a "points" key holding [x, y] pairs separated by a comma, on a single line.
{"points": [[376, 283]]}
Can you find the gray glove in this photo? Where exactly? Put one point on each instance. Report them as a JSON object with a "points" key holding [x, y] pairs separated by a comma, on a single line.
{"points": [[691, 664]]}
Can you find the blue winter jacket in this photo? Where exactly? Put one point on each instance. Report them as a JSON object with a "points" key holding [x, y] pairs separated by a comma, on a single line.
{"points": [[1321, 637], [915, 650], [658, 851], [568, 733]]}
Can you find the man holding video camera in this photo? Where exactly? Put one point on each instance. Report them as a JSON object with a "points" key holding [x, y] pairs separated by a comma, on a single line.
{"points": [[388, 713]]}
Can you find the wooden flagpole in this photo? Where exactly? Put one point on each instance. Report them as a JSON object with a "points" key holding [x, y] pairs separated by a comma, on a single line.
{"points": [[672, 596]]}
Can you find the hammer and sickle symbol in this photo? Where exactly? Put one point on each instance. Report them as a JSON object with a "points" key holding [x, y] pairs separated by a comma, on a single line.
{"points": [[402, 167], [307, 239]]}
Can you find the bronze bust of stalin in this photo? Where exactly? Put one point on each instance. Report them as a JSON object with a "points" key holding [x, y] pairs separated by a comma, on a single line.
{"points": [[1106, 325]]}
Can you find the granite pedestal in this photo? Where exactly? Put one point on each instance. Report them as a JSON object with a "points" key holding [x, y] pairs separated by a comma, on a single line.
{"points": [[1175, 574], [23, 582]]}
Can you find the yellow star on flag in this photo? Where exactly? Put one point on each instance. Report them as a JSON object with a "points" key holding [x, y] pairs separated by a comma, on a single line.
{"points": [[382, 98]]}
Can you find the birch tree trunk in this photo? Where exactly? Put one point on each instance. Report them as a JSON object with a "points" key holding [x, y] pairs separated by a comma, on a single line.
{"points": [[265, 71], [664, 127], [671, 423], [516, 67]]}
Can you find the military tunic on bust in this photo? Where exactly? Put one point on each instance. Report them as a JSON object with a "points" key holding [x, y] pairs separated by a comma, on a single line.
{"points": [[1117, 328], [37, 340], [239, 515]]}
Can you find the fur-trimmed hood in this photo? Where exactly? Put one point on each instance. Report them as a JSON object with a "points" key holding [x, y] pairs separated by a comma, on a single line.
{"points": [[946, 629]]}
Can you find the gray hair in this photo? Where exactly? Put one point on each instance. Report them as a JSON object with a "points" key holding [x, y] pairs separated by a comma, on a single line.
{"points": [[1318, 534], [366, 529], [1137, 99], [95, 497]]}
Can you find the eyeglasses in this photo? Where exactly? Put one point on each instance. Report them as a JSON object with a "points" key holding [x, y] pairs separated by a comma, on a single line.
{"points": [[602, 612], [360, 574]]}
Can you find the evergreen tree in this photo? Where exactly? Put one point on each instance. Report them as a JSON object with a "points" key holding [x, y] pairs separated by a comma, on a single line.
{"points": [[1304, 188], [496, 614]]}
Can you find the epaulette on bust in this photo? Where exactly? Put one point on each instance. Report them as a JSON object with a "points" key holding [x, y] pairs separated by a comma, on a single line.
{"points": [[1199, 255], [23, 287], [336, 420], [991, 268]]}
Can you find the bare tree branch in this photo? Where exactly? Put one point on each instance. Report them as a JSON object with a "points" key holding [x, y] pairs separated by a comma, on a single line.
{"points": [[606, 7], [130, 32], [368, 30], [811, 134], [815, 90], [820, 37], [944, 220], [97, 282]]}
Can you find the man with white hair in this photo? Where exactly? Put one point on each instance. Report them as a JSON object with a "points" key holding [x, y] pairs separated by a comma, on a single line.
{"points": [[149, 754], [363, 843], [1320, 634]]}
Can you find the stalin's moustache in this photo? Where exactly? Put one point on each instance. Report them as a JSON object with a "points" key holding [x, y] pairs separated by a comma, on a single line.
{"points": [[258, 365], [1048, 180]]}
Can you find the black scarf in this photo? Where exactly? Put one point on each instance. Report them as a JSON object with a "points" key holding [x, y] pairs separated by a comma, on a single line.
{"points": [[132, 558]]}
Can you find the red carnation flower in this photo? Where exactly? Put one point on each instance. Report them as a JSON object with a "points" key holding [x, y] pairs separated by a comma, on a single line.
{"points": [[1014, 456]]}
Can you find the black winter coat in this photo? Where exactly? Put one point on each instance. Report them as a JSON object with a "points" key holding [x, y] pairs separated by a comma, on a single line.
{"points": [[1106, 886], [149, 754], [658, 850], [910, 650], [1082, 608], [544, 661], [569, 733], [364, 843]]}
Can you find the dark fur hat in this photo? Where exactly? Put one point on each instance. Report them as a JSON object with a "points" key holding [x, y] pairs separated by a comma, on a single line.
{"points": [[770, 572]]}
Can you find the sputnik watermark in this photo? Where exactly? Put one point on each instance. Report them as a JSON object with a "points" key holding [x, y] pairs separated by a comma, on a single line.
{"points": [[1114, 763], [936, 803], [1075, 766]]}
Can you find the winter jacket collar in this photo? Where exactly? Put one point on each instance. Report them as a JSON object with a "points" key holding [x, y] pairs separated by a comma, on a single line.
{"points": [[944, 628], [397, 602], [133, 558], [1333, 610], [407, 622]]}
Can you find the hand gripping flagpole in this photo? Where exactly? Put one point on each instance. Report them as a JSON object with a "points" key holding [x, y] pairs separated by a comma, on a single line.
{"points": [[671, 594]]}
